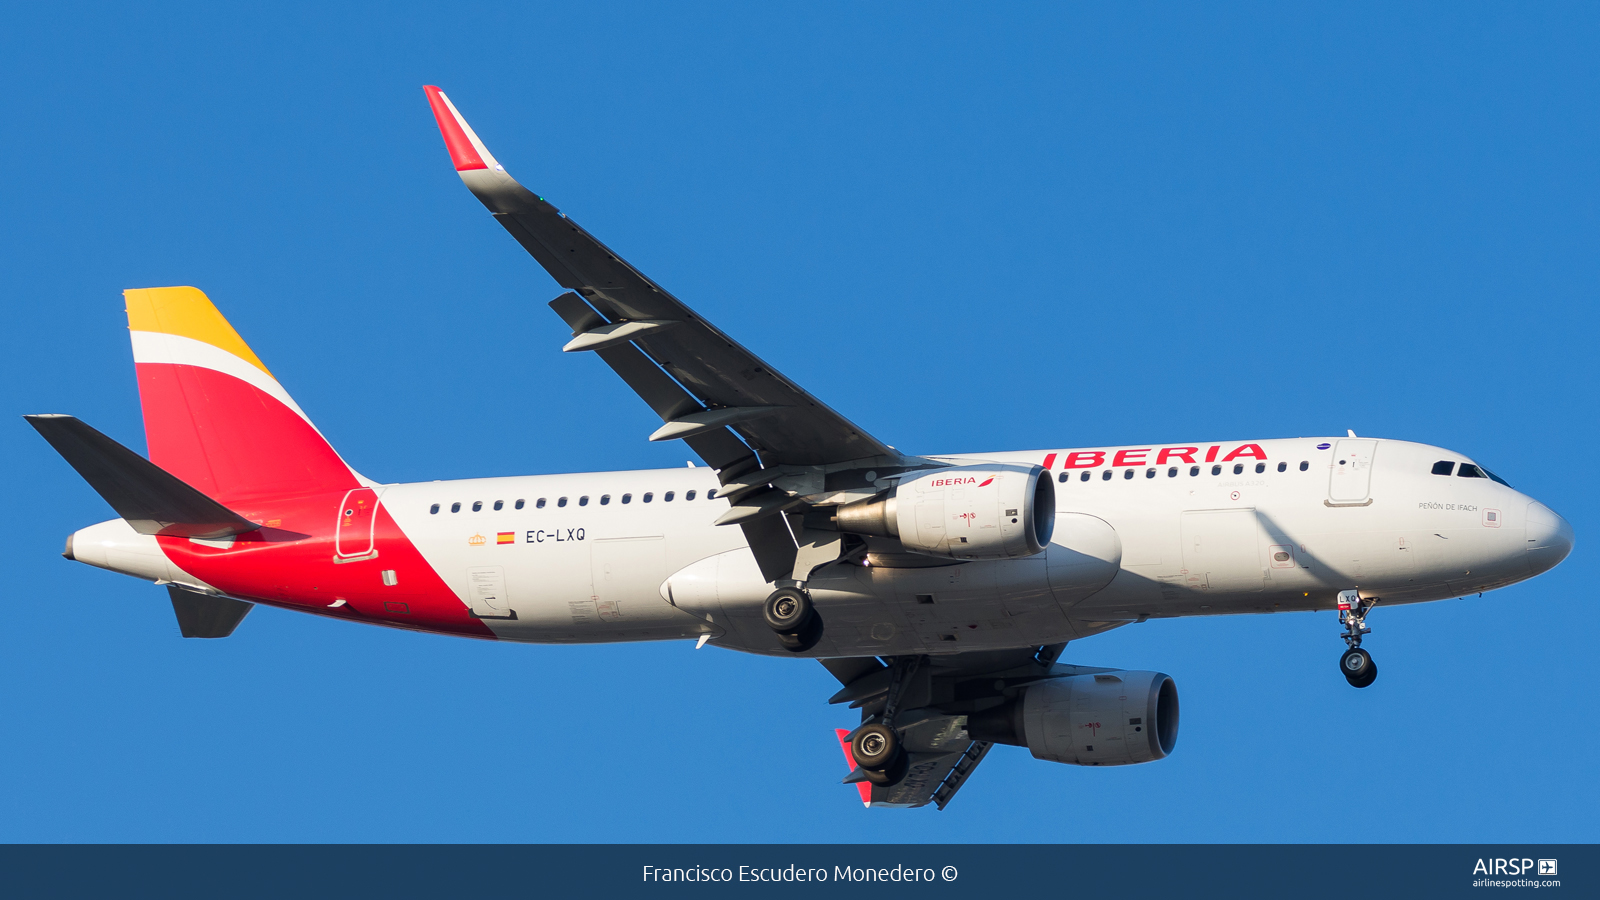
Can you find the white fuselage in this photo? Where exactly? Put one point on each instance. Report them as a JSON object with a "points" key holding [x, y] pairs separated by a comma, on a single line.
{"points": [[620, 561]]}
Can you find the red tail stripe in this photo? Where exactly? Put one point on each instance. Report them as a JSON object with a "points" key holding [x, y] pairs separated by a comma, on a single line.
{"points": [[230, 440]]}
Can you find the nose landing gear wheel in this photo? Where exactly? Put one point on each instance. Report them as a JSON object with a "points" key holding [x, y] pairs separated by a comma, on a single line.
{"points": [[1358, 667], [1364, 679], [789, 612]]}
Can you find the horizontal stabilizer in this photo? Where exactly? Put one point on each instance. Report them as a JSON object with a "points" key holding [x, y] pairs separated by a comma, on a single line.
{"points": [[205, 616], [153, 500]]}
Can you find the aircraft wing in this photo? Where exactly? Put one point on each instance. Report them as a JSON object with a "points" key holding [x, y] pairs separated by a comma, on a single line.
{"points": [[930, 777], [940, 758], [704, 381]]}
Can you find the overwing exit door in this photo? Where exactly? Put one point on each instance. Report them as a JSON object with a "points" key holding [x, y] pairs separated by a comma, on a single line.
{"points": [[353, 536], [1350, 481]]}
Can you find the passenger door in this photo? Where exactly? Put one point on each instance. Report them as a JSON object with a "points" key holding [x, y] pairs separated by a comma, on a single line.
{"points": [[1222, 550], [1350, 481], [353, 533]]}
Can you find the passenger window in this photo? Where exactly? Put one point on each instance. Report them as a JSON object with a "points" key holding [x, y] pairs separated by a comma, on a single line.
{"points": [[455, 507], [627, 498], [519, 504], [1084, 477], [584, 500], [1283, 467], [1238, 468], [1260, 467], [1064, 477], [477, 506], [1443, 467], [433, 510], [1304, 465], [1127, 474], [499, 505], [647, 497], [1468, 470], [1193, 471], [1216, 470], [1149, 473], [539, 504], [667, 497], [1172, 472], [1106, 475], [604, 499], [561, 502], [688, 495]]}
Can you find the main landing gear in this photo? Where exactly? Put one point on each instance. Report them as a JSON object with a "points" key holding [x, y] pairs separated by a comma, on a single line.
{"points": [[790, 613], [876, 749], [1356, 664], [875, 746]]}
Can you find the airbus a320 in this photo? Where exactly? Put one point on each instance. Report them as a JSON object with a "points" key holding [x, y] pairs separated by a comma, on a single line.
{"points": [[939, 589]]}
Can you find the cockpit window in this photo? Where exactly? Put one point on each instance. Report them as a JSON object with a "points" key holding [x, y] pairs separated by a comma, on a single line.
{"points": [[1468, 470], [1494, 478], [1443, 467]]}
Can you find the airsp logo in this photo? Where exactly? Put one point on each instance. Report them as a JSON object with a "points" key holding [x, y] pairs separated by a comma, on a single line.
{"points": [[1547, 867]]}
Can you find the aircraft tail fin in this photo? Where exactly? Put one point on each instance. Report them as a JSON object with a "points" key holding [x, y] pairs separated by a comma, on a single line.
{"points": [[214, 417]]}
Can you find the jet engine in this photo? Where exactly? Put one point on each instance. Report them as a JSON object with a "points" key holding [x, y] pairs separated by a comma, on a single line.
{"points": [[994, 511], [1103, 719]]}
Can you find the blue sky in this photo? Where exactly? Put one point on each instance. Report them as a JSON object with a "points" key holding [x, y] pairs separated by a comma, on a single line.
{"points": [[1010, 227]]}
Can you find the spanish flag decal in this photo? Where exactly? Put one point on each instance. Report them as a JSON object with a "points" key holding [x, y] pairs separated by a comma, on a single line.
{"points": [[506, 537]]}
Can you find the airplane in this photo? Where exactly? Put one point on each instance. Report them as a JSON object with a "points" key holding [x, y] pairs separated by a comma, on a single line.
{"points": [[940, 590]]}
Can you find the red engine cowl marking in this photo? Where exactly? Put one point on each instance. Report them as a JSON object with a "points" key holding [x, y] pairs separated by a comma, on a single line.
{"points": [[291, 564]]}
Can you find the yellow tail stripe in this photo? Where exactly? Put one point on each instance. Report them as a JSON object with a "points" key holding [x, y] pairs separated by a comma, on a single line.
{"points": [[186, 312]]}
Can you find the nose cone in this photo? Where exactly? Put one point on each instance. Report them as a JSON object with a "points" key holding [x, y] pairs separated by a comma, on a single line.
{"points": [[1549, 538]]}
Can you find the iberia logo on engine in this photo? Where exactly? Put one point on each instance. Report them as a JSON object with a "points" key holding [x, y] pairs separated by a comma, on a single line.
{"points": [[953, 482]]}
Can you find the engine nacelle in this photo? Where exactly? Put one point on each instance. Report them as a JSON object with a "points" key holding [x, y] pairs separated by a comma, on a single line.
{"points": [[1104, 719], [994, 511]]}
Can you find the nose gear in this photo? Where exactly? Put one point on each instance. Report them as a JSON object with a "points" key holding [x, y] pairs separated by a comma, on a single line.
{"points": [[1356, 664], [1358, 667]]}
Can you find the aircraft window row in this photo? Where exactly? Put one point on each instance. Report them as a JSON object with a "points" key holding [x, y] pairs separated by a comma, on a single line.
{"points": [[605, 500], [1467, 470], [1172, 472]]}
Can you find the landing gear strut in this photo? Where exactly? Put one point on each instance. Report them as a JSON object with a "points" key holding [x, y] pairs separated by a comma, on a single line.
{"points": [[790, 613], [876, 746], [1356, 664]]}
